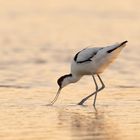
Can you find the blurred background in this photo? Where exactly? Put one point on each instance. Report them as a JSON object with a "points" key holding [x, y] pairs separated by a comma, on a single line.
{"points": [[34, 34], [38, 40]]}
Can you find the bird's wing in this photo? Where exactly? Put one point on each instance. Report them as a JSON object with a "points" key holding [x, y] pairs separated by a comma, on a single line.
{"points": [[86, 55]]}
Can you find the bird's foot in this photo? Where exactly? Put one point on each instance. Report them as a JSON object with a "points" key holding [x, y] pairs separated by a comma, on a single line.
{"points": [[81, 103], [94, 107]]}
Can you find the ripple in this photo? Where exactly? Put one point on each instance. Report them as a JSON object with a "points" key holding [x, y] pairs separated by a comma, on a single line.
{"points": [[13, 86], [125, 86]]}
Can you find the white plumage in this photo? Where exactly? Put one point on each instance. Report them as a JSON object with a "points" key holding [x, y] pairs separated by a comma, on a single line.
{"points": [[94, 60], [90, 61]]}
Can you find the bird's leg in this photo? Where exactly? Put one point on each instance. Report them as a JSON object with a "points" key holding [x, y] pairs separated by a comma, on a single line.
{"points": [[86, 98], [102, 87], [96, 86]]}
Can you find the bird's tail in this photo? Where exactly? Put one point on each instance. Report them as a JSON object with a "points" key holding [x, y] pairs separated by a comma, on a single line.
{"points": [[116, 47], [114, 50]]}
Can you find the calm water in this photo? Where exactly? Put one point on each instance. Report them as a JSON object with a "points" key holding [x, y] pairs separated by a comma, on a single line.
{"points": [[37, 42]]}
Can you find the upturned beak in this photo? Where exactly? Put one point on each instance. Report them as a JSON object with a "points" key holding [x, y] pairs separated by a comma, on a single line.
{"points": [[56, 96]]}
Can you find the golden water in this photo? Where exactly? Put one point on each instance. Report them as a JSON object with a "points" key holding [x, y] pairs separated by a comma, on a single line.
{"points": [[37, 42]]}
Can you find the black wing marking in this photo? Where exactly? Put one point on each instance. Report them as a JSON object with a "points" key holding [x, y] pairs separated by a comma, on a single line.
{"points": [[75, 58], [111, 50], [88, 59]]}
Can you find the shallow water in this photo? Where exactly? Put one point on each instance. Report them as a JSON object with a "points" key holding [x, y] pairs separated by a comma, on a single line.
{"points": [[38, 41]]}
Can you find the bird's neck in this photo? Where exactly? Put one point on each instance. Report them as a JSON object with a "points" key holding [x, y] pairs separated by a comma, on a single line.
{"points": [[71, 79], [74, 78]]}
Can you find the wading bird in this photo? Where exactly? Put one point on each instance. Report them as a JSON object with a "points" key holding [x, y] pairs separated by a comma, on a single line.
{"points": [[90, 61]]}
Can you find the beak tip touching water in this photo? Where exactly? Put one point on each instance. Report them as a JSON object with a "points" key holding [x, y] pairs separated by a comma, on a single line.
{"points": [[55, 98]]}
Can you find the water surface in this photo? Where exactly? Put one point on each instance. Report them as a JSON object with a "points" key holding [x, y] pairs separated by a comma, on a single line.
{"points": [[37, 43]]}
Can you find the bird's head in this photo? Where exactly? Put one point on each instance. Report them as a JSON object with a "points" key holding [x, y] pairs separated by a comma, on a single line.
{"points": [[64, 80]]}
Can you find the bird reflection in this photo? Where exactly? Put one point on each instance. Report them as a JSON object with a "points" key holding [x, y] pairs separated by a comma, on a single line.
{"points": [[85, 125]]}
